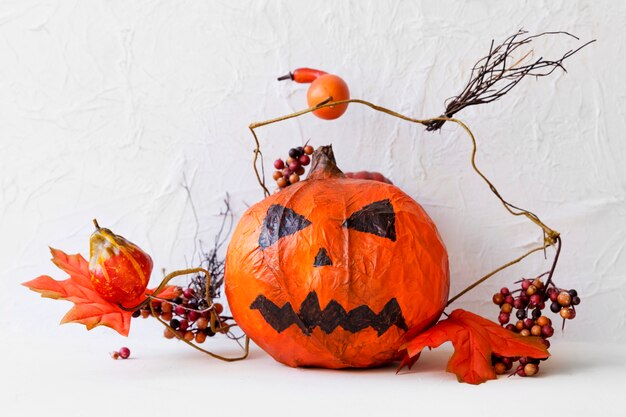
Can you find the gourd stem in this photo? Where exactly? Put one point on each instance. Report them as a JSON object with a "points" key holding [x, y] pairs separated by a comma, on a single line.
{"points": [[551, 236], [324, 165]]}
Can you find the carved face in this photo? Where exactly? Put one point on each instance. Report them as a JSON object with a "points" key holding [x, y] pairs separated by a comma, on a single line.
{"points": [[332, 272]]}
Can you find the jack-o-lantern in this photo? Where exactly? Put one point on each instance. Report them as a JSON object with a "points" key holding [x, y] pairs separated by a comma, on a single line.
{"points": [[332, 271]]}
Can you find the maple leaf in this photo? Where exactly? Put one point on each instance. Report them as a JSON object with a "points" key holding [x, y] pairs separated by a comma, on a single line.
{"points": [[89, 307], [474, 339]]}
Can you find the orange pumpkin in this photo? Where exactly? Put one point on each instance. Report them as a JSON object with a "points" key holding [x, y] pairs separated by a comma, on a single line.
{"points": [[332, 271]]}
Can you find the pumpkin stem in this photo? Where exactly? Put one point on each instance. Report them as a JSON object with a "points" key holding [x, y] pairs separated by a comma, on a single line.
{"points": [[324, 165]]}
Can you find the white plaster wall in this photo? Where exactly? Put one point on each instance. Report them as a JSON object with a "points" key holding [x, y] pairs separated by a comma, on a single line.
{"points": [[107, 108]]}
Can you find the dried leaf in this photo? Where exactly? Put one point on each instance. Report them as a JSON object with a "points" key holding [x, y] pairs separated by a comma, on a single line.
{"points": [[89, 307], [474, 339]]}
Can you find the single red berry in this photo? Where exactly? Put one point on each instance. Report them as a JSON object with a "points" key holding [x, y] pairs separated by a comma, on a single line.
{"points": [[279, 164], [520, 370], [547, 331], [553, 295], [305, 160], [124, 352], [503, 318], [180, 310], [510, 327], [184, 325], [526, 283], [536, 299], [294, 166], [509, 299], [504, 291], [528, 323], [518, 304], [189, 293], [193, 316], [300, 170]]}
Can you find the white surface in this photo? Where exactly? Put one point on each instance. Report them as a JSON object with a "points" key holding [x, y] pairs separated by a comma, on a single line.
{"points": [[167, 378], [108, 108]]}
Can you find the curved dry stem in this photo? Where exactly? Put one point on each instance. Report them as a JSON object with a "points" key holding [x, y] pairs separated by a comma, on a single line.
{"points": [[214, 317], [551, 236]]}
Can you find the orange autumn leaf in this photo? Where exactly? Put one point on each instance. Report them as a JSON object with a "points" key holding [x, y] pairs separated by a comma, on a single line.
{"points": [[474, 339], [89, 307]]}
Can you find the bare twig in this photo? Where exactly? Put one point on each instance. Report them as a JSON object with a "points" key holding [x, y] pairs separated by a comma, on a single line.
{"points": [[497, 73]]}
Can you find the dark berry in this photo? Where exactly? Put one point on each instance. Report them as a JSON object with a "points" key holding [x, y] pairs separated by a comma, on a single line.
{"points": [[177, 300], [555, 307], [536, 313], [175, 324], [293, 152], [136, 313], [575, 300], [573, 293], [300, 150], [521, 314]]}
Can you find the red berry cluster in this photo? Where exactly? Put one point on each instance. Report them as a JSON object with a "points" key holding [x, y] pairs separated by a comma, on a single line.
{"points": [[529, 301], [188, 314], [289, 172]]}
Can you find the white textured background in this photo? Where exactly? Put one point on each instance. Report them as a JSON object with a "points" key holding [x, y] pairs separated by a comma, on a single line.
{"points": [[108, 108]]}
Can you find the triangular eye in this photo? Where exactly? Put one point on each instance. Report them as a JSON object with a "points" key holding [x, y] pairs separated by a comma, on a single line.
{"points": [[279, 222], [377, 218]]}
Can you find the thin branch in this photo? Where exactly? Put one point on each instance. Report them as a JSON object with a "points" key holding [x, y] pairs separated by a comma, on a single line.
{"points": [[497, 73]]}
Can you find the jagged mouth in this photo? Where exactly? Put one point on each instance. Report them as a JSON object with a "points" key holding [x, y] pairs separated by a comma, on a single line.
{"points": [[310, 316]]}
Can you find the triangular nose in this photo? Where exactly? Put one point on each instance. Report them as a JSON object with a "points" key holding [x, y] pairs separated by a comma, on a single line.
{"points": [[322, 258]]}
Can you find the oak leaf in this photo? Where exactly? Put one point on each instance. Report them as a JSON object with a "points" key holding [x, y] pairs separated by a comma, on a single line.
{"points": [[474, 339], [89, 307]]}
